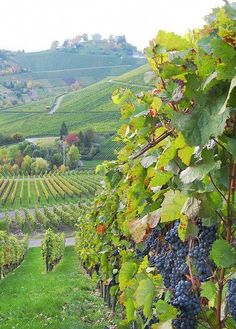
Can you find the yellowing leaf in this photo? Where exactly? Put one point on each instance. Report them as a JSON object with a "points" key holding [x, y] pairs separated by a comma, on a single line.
{"points": [[137, 229], [172, 205], [144, 295], [127, 272], [185, 154]]}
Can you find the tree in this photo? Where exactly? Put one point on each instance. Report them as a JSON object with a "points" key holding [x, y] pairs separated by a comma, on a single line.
{"points": [[63, 130], [12, 153], [57, 159], [96, 37], [40, 165], [71, 139], [73, 157], [26, 164], [55, 44], [85, 36]]}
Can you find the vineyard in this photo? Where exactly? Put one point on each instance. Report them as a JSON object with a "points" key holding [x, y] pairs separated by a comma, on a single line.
{"points": [[160, 237], [155, 227], [78, 109], [39, 219], [27, 191]]}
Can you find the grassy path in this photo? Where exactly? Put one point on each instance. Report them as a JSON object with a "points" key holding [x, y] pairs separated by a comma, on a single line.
{"points": [[62, 299]]}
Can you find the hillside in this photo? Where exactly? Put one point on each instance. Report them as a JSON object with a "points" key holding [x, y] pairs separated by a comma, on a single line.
{"points": [[26, 77], [86, 108]]}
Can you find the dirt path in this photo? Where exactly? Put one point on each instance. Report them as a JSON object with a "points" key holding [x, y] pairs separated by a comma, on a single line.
{"points": [[57, 104], [37, 242]]}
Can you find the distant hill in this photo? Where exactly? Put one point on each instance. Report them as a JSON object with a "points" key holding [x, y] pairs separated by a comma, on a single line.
{"points": [[90, 107], [26, 77]]}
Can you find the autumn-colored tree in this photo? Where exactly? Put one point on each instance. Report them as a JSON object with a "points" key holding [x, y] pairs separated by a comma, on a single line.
{"points": [[71, 139]]}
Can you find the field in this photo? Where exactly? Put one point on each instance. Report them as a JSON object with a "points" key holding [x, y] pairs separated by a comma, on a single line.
{"points": [[31, 191], [81, 109], [66, 292], [108, 150]]}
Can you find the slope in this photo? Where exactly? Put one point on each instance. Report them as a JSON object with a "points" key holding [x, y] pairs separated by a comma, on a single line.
{"points": [[90, 107]]}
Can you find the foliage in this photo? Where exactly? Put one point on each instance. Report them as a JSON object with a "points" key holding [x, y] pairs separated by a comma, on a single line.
{"points": [[12, 252], [53, 247], [73, 157], [163, 230]]}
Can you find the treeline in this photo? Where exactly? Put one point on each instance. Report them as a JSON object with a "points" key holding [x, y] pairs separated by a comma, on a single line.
{"points": [[30, 158], [106, 45], [7, 140]]}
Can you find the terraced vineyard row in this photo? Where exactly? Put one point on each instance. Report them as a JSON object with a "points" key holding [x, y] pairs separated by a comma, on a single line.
{"points": [[25, 220], [108, 150], [17, 192]]}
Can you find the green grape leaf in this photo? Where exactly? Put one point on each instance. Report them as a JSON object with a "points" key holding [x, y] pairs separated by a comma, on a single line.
{"points": [[231, 88], [172, 41], [144, 296], [161, 178], [127, 272], [165, 311], [129, 306], [209, 291], [222, 254], [204, 122], [231, 146], [200, 170], [185, 154], [171, 208], [187, 229], [167, 156]]}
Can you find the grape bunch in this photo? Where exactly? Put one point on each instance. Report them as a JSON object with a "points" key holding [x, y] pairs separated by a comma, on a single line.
{"points": [[189, 304], [231, 298], [201, 250], [151, 244], [170, 261]]}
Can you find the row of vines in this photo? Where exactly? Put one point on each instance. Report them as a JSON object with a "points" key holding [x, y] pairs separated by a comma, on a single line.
{"points": [[27, 191], [55, 217], [161, 235], [12, 252]]}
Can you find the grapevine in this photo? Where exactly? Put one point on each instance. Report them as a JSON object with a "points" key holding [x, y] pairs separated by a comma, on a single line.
{"points": [[162, 231]]}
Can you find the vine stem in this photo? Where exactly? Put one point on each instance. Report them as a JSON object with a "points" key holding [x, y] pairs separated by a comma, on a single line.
{"points": [[231, 192], [154, 143]]}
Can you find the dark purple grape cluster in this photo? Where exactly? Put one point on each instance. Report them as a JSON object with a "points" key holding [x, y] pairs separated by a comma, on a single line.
{"points": [[231, 298], [188, 302], [171, 263], [201, 250], [151, 243]]}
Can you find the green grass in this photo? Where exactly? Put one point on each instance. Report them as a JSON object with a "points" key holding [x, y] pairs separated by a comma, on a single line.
{"points": [[91, 107], [61, 299]]}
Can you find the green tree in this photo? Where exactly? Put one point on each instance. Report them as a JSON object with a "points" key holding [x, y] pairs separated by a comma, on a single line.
{"points": [[26, 164], [57, 159], [40, 165], [12, 153], [63, 130], [73, 157]]}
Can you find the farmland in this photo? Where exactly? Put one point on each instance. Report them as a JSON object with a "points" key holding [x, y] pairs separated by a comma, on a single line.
{"points": [[79, 109], [30, 191]]}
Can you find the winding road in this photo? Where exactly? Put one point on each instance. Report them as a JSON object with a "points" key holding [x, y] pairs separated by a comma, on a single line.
{"points": [[57, 104]]}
